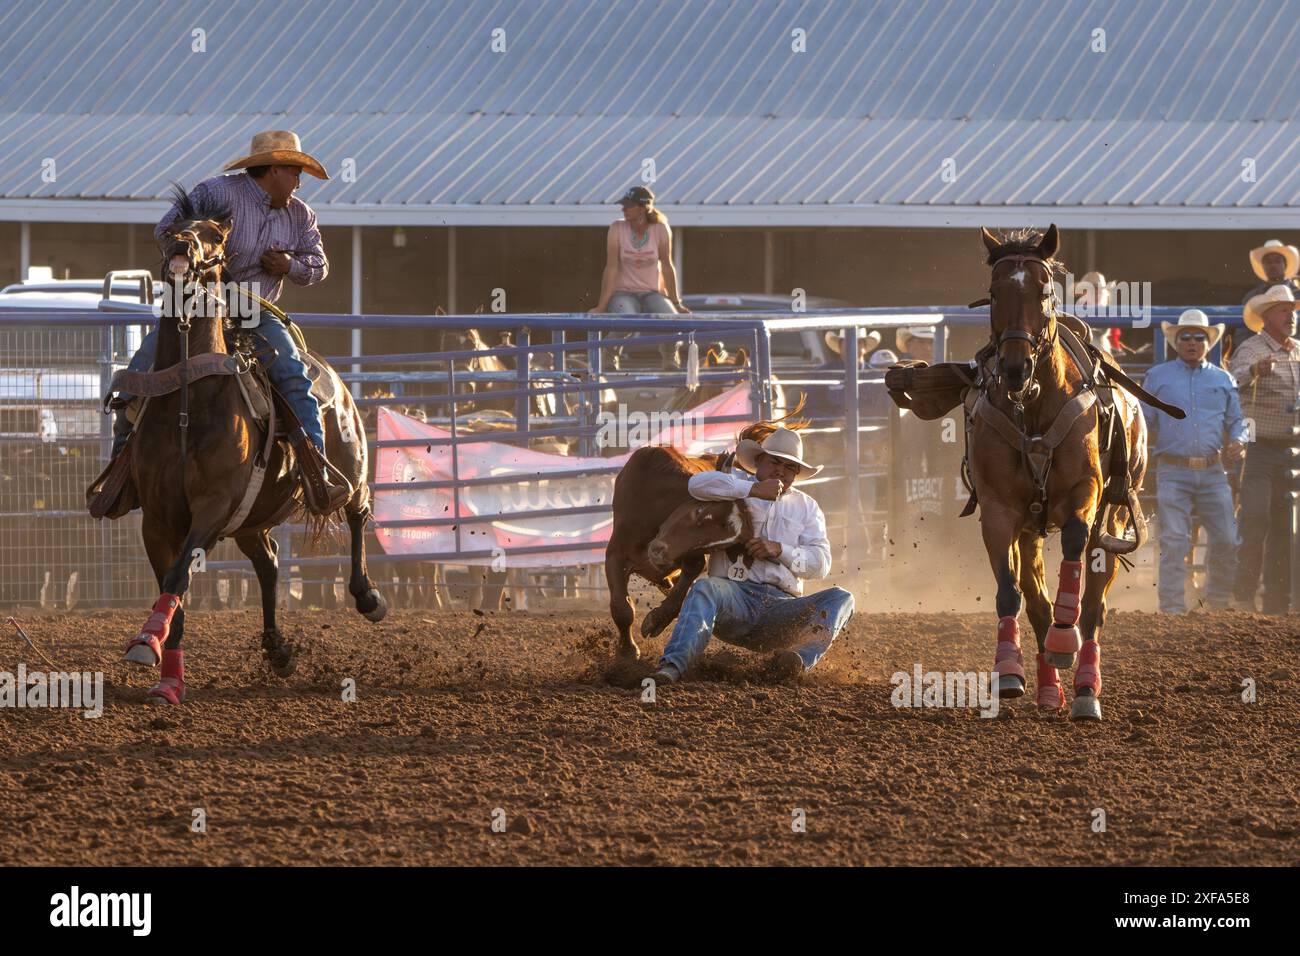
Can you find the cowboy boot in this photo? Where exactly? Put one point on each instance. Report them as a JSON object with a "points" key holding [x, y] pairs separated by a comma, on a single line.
{"points": [[113, 493], [325, 488]]}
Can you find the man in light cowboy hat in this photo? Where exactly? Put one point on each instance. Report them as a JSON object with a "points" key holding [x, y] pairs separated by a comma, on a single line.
{"points": [[827, 401], [763, 606], [1190, 456], [1267, 369], [917, 342], [1276, 264], [274, 234]]}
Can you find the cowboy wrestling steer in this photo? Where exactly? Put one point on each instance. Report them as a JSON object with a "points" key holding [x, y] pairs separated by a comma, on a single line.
{"points": [[763, 537]]}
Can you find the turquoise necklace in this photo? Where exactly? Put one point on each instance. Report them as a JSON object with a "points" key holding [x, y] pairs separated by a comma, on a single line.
{"points": [[639, 243]]}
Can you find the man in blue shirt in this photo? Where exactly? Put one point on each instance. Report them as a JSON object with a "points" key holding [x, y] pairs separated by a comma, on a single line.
{"points": [[1190, 456]]}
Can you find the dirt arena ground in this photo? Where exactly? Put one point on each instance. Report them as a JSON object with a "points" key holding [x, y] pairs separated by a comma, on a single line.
{"points": [[458, 715]]}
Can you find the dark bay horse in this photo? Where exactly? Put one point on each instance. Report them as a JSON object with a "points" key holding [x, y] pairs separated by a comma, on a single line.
{"points": [[1039, 462], [191, 489]]}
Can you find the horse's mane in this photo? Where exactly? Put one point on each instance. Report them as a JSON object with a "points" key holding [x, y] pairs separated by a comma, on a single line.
{"points": [[1022, 242], [206, 208]]}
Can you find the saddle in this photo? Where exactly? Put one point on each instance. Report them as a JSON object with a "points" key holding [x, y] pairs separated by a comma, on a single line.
{"points": [[112, 494]]}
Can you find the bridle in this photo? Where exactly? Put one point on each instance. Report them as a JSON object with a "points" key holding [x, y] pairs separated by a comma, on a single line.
{"points": [[198, 268], [1040, 343]]}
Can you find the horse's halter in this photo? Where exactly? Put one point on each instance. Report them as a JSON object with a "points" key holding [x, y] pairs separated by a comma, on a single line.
{"points": [[1039, 343], [198, 268]]}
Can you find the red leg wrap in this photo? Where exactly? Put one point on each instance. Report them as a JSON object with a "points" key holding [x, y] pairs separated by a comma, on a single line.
{"points": [[171, 687], [1065, 612], [1088, 673], [1009, 660], [1050, 695], [160, 621]]}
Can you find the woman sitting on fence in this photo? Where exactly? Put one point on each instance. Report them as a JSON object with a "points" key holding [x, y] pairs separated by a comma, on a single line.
{"points": [[639, 275]]}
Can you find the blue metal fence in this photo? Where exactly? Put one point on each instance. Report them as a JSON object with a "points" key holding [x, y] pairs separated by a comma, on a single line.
{"points": [[433, 380]]}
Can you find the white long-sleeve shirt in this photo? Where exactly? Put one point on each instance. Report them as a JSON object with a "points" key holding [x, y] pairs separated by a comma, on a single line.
{"points": [[794, 520]]}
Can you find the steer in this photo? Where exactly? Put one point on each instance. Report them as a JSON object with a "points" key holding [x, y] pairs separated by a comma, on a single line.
{"points": [[647, 492]]}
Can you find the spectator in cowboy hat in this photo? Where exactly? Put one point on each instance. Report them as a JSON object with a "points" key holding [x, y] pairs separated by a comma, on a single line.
{"points": [[1190, 456], [917, 342], [1276, 264], [1092, 297], [827, 401], [752, 606], [1267, 369]]}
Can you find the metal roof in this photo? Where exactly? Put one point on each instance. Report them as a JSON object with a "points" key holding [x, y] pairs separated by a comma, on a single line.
{"points": [[740, 127]]}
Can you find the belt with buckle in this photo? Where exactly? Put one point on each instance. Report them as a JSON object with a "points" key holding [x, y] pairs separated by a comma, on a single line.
{"points": [[1195, 464]]}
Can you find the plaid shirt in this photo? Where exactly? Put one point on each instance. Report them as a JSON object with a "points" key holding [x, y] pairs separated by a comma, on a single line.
{"points": [[1268, 399], [258, 228]]}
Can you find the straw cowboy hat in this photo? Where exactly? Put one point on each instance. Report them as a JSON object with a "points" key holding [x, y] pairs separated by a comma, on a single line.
{"points": [[782, 443], [915, 332], [835, 340], [277, 147], [1253, 314], [1193, 318], [1275, 246]]}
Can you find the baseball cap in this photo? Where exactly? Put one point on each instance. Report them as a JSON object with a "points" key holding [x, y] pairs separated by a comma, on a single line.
{"points": [[639, 195]]}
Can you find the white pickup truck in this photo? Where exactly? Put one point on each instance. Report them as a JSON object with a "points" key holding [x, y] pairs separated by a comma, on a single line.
{"points": [[51, 376]]}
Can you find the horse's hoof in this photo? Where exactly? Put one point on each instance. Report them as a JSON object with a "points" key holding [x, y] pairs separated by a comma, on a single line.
{"points": [[144, 652], [284, 667], [627, 653], [1085, 707], [650, 626], [378, 607], [1009, 685], [1061, 645]]}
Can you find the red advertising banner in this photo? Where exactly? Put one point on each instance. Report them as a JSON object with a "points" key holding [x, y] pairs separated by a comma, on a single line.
{"points": [[526, 487]]}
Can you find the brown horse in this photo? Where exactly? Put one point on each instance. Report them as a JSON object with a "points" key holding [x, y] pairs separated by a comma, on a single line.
{"points": [[1043, 436], [191, 478]]}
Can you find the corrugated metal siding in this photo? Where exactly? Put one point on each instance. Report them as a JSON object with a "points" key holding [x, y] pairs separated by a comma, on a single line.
{"points": [[1007, 89]]}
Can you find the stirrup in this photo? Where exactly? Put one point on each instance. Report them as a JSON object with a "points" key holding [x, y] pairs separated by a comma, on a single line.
{"points": [[325, 488]]}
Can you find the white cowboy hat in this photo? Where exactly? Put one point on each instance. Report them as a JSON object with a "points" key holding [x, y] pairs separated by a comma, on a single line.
{"points": [[277, 147], [835, 340], [916, 332], [1193, 318], [782, 443], [1275, 246], [1253, 314], [882, 359]]}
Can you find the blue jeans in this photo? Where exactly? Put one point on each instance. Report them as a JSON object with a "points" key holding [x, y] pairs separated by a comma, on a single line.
{"points": [[1181, 493], [760, 617], [1266, 526], [287, 373]]}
